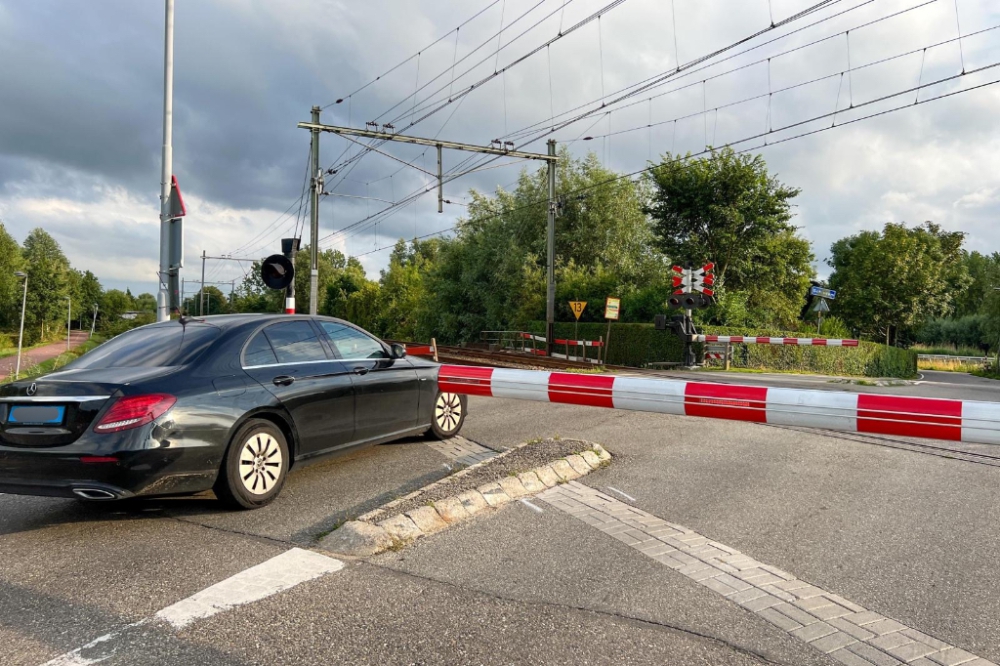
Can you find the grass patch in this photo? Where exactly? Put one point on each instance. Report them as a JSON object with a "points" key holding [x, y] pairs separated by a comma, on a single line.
{"points": [[54, 364], [948, 365], [597, 370], [987, 373], [947, 350]]}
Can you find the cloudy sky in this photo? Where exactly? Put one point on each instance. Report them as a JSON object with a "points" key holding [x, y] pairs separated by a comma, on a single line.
{"points": [[81, 86]]}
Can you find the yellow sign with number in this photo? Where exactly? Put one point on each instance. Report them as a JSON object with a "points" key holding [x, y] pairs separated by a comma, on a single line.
{"points": [[577, 308]]}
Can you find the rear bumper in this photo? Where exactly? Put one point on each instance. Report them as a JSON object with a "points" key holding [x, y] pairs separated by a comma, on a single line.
{"points": [[133, 473]]}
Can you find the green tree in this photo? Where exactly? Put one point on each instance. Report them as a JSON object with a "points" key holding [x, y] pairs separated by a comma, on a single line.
{"points": [[90, 293], [726, 208], [891, 282], [343, 283], [215, 302], [492, 274], [114, 303], [145, 303], [48, 285], [251, 295], [11, 286], [984, 274]]}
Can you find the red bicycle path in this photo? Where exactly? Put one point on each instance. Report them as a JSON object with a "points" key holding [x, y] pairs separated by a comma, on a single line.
{"points": [[41, 354]]}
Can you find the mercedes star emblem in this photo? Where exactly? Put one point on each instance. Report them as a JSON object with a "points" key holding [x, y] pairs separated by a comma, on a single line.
{"points": [[33, 388]]}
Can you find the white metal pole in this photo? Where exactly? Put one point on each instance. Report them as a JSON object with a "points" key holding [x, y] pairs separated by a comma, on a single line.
{"points": [[93, 324], [162, 305], [20, 337], [69, 319]]}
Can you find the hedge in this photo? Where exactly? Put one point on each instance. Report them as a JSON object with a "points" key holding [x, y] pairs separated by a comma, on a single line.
{"points": [[638, 344]]}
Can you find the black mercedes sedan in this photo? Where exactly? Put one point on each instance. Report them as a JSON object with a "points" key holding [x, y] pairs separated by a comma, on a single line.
{"points": [[229, 403]]}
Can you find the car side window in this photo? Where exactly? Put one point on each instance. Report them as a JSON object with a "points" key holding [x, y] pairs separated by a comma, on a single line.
{"points": [[259, 351], [351, 343], [295, 342]]}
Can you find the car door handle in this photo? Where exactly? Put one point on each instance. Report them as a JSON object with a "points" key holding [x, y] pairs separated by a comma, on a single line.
{"points": [[360, 370], [283, 380]]}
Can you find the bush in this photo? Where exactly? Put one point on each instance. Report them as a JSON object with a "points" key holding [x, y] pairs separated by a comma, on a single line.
{"points": [[116, 326]]}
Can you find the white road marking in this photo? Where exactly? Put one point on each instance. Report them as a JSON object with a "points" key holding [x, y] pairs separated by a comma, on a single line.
{"points": [[532, 506], [266, 579], [618, 492], [847, 632]]}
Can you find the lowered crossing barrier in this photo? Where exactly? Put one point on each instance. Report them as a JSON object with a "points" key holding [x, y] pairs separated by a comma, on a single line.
{"points": [[932, 418]]}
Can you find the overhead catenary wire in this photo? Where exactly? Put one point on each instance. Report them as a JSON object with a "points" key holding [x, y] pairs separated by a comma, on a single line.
{"points": [[403, 62], [744, 40], [791, 87], [801, 135], [539, 133]]}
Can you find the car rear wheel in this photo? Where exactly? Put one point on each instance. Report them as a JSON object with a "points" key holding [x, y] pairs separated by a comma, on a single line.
{"points": [[255, 466], [449, 414]]}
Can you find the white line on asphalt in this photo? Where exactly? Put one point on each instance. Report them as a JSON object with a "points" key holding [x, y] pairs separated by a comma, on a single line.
{"points": [[267, 578], [618, 492], [529, 504], [847, 632], [277, 574]]}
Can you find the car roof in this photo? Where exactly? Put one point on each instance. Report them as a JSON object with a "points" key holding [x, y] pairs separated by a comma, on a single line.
{"points": [[228, 321]]}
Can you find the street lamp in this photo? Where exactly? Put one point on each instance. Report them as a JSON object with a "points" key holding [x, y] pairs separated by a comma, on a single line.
{"points": [[93, 324], [69, 319], [20, 337], [998, 341]]}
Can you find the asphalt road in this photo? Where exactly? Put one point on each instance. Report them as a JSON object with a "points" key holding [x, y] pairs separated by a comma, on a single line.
{"points": [[911, 534]]}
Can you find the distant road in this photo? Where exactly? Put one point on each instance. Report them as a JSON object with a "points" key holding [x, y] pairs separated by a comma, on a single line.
{"points": [[40, 354]]}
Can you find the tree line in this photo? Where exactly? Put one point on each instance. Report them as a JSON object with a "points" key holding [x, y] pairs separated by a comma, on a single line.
{"points": [[56, 290], [615, 236]]}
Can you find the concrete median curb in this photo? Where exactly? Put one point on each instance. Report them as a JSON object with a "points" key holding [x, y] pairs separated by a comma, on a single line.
{"points": [[381, 530]]}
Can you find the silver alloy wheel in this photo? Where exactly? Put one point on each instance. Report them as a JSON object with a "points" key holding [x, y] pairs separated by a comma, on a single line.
{"points": [[260, 463], [448, 411]]}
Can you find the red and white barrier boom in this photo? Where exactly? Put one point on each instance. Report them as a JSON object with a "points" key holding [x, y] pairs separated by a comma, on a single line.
{"points": [[933, 418], [745, 340]]}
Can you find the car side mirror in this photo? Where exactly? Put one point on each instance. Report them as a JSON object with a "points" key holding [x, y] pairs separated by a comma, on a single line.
{"points": [[397, 351]]}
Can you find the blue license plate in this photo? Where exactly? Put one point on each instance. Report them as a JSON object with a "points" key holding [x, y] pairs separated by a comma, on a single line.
{"points": [[37, 415]]}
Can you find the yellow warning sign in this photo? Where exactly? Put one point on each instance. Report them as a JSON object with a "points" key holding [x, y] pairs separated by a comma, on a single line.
{"points": [[577, 308]]}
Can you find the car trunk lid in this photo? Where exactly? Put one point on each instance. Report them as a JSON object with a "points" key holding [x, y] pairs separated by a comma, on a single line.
{"points": [[57, 409]]}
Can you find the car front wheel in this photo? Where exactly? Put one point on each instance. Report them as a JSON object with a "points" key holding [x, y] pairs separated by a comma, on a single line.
{"points": [[449, 414], [255, 466]]}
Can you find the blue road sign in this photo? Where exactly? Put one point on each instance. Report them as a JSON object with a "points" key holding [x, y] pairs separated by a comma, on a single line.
{"points": [[823, 293]]}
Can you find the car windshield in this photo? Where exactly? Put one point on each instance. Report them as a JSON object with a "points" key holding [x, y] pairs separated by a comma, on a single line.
{"points": [[154, 346]]}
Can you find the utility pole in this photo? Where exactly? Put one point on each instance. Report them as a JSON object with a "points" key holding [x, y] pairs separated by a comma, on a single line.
{"points": [[201, 293], [502, 148], [69, 319], [24, 305], [550, 301], [314, 218], [163, 298]]}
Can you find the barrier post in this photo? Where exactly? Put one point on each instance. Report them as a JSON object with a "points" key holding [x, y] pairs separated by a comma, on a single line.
{"points": [[434, 345], [605, 361], [729, 351]]}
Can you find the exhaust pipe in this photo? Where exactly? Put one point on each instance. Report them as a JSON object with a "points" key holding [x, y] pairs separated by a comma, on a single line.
{"points": [[94, 494]]}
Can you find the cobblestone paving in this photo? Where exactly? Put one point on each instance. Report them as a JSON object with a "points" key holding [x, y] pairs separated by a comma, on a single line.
{"points": [[847, 632], [463, 451]]}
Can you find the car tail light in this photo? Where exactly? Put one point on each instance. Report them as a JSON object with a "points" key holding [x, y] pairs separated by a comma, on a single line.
{"points": [[134, 411]]}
